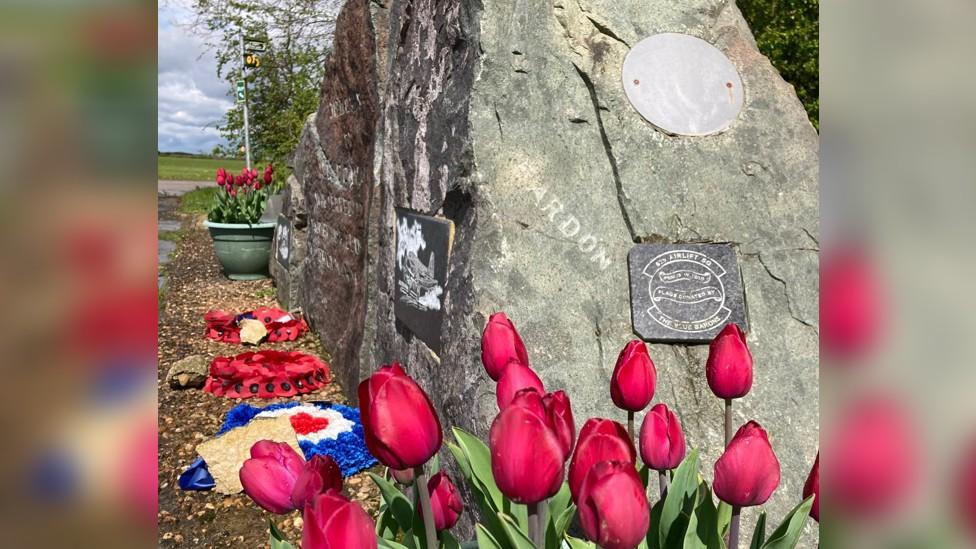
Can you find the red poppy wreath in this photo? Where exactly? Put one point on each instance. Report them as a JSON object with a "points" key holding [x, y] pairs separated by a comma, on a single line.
{"points": [[281, 325], [266, 374]]}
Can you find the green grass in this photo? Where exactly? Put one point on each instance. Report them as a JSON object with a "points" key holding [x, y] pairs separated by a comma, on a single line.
{"points": [[194, 168], [172, 236], [198, 201]]}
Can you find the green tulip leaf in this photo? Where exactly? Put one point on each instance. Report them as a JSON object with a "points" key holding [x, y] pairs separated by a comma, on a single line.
{"points": [[480, 459], [653, 533], [645, 475], [559, 503], [701, 532], [679, 503], [787, 534], [576, 543], [724, 518], [448, 541], [462, 460], [276, 539], [389, 544], [759, 533], [399, 505], [557, 525], [485, 539], [518, 538]]}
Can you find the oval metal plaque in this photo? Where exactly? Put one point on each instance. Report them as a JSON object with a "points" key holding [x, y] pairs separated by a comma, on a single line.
{"points": [[682, 84]]}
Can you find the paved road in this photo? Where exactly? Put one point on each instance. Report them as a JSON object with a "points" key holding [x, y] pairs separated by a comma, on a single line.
{"points": [[177, 188]]}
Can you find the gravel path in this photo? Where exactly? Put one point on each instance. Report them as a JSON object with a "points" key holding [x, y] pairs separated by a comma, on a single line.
{"points": [[186, 418]]}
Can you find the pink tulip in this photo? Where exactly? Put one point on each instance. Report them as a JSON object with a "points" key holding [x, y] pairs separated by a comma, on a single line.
{"points": [[319, 475], [748, 472], [613, 508], [729, 365], [331, 521], [515, 377], [599, 440], [812, 488], [269, 476], [851, 303], [399, 422], [527, 456], [634, 377], [662, 442], [445, 501], [501, 344], [560, 415]]}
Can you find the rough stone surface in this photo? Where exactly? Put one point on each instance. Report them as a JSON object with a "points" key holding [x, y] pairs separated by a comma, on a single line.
{"points": [[190, 372], [289, 278], [252, 331], [226, 454], [508, 117]]}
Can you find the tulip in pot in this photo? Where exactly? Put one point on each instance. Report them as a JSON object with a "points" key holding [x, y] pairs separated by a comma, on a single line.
{"points": [[242, 243]]}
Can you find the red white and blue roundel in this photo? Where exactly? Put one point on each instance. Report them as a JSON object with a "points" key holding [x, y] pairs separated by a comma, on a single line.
{"points": [[322, 428]]}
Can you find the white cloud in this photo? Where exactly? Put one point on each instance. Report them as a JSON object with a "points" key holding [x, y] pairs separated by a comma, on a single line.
{"points": [[191, 98]]}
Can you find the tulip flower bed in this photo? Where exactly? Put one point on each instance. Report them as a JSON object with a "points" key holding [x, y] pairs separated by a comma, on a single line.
{"points": [[243, 198], [524, 493]]}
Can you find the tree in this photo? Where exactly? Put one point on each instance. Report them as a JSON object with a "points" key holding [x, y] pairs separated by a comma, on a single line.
{"points": [[788, 32], [284, 89]]}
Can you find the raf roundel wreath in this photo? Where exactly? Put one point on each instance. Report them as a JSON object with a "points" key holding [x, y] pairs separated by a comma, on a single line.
{"points": [[322, 428]]}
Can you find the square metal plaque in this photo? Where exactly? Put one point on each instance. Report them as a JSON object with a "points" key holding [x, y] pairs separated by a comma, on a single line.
{"points": [[282, 241], [423, 247], [685, 293]]}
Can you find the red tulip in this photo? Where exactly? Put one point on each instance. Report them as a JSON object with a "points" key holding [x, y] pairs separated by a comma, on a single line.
{"points": [[729, 365], [965, 491], [812, 488], [233, 193], [267, 177], [873, 457], [403, 476], [748, 472], [850, 303], [527, 456], [320, 475], [560, 415], [515, 377], [500, 344], [613, 508], [445, 501], [399, 422], [599, 440], [662, 442], [269, 476], [334, 522], [634, 377]]}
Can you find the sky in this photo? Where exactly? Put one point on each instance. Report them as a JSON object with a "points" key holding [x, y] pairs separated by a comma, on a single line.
{"points": [[191, 99]]}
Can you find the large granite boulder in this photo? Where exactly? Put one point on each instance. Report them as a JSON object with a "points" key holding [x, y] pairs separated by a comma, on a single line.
{"points": [[509, 118]]}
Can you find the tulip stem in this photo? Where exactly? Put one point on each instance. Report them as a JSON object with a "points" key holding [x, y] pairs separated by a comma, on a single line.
{"points": [[734, 527], [630, 426], [663, 481], [420, 484], [728, 421], [537, 523]]}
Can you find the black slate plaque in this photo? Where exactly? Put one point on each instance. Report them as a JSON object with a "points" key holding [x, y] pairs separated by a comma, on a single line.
{"points": [[423, 246], [685, 292], [282, 241]]}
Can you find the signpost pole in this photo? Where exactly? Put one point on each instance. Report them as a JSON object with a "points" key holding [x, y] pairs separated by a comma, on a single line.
{"points": [[247, 132]]}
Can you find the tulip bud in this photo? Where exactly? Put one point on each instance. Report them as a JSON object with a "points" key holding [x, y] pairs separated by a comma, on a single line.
{"points": [[233, 193], [320, 475], [445, 501], [501, 344], [613, 510], [599, 440], [662, 442], [221, 179], [515, 377], [403, 476], [269, 476], [634, 377], [399, 422], [851, 303], [729, 365], [527, 456], [748, 472], [965, 490], [812, 488], [333, 522], [267, 177], [560, 415]]}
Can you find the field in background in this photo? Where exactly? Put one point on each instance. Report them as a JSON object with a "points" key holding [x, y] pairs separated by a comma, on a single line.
{"points": [[194, 168]]}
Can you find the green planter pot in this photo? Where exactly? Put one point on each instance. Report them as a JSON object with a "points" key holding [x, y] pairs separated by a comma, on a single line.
{"points": [[243, 250]]}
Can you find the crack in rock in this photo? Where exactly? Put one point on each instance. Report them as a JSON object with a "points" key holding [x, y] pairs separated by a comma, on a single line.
{"points": [[786, 292]]}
